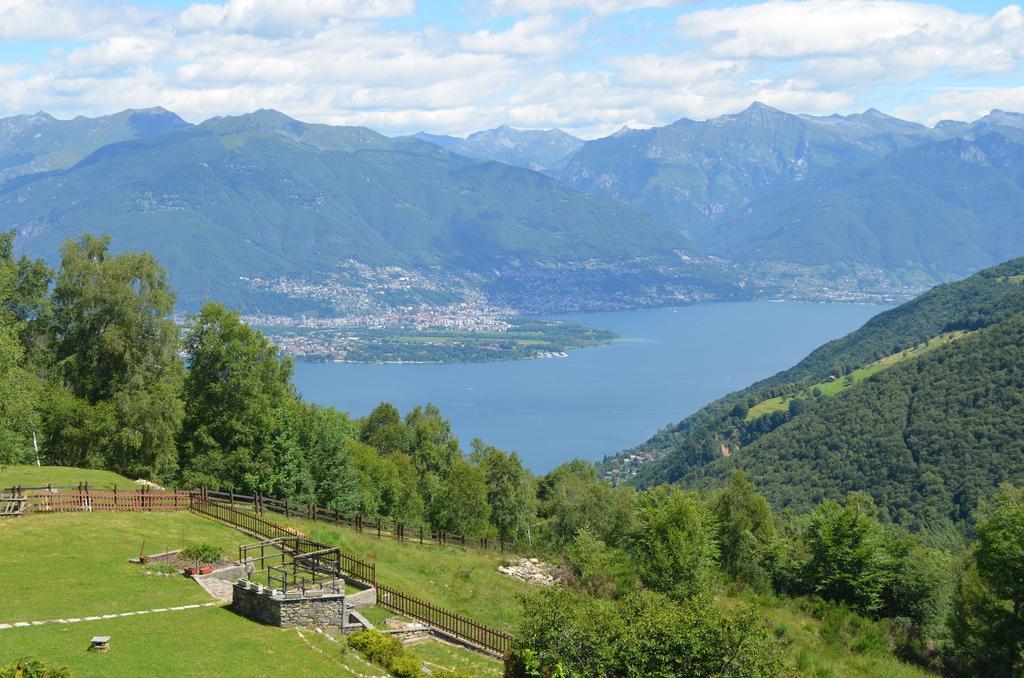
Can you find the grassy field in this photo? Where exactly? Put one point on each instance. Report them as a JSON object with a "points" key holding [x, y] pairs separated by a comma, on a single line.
{"points": [[76, 565], [818, 649], [460, 579], [210, 641], [836, 386], [25, 475]]}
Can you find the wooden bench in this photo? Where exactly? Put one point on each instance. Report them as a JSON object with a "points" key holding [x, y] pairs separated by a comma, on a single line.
{"points": [[12, 506]]}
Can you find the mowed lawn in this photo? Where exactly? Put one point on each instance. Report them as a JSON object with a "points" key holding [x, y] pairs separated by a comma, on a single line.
{"points": [[75, 565], [464, 580], [209, 641], [62, 565], [25, 475]]}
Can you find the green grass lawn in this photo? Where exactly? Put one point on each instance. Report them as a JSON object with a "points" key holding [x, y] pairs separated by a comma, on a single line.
{"points": [[76, 564], [464, 580], [209, 641], [27, 475]]}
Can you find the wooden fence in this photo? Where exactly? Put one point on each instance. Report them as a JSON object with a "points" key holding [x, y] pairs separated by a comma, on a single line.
{"points": [[484, 637], [256, 525], [260, 504], [82, 498], [494, 641]]}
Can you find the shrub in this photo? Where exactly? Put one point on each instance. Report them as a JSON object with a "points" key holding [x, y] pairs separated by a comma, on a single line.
{"points": [[386, 651], [406, 666], [201, 553], [379, 648], [30, 667]]}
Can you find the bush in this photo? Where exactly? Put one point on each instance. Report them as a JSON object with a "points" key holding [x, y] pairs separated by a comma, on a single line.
{"points": [[406, 666], [30, 667], [379, 648], [201, 553], [386, 651]]}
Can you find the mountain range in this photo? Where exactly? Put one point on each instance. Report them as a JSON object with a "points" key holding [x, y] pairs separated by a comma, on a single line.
{"points": [[534, 149], [265, 196], [758, 203]]}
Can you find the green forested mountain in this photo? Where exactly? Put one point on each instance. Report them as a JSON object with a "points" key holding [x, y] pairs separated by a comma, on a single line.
{"points": [[40, 142], [926, 432], [262, 195]]}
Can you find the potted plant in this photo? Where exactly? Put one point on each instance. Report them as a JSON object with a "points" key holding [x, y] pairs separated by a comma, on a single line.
{"points": [[200, 555]]}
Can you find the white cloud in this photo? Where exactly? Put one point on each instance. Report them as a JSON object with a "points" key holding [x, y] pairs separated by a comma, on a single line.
{"points": [[533, 36], [499, 7], [345, 62], [279, 17], [964, 104], [64, 19], [786, 29]]}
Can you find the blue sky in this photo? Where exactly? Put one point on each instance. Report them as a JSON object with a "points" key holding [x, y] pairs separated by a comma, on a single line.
{"points": [[587, 66]]}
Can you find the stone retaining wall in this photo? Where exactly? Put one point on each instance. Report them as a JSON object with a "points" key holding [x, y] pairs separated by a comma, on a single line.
{"points": [[287, 610]]}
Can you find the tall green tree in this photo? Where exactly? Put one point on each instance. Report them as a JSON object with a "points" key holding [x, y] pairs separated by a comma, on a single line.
{"points": [[571, 497], [115, 344], [510, 490], [673, 543], [848, 561], [988, 626], [236, 387], [747, 542], [460, 504], [384, 429]]}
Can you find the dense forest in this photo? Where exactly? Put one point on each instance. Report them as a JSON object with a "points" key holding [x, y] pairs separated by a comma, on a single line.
{"points": [[95, 372]]}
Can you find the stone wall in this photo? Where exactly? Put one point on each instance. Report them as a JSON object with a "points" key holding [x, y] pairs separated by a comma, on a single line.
{"points": [[287, 610]]}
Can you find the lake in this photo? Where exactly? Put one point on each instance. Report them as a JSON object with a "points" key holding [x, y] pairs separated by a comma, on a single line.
{"points": [[598, 401]]}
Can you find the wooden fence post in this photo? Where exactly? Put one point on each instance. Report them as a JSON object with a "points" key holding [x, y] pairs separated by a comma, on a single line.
{"points": [[286, 513]]}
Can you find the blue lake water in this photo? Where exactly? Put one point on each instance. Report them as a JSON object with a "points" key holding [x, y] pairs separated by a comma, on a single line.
{"points": [[602, 400]]}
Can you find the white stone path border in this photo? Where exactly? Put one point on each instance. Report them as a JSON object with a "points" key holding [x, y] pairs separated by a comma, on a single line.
{"points": [[75, 620]]}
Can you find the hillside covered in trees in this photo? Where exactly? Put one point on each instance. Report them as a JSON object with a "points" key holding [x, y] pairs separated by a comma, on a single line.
{"points": [[920, 408]]}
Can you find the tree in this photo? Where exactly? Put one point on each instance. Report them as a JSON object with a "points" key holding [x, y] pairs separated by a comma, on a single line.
{"points": [[673, 544], [433, 449], [848, 558], [572, 497], [384, 429], [18, 401], [988, 627], [747, 542], [460, 504], [327, 435], [510, 492], [114, 342], [600, 570], [237, 385], [644, 635]]}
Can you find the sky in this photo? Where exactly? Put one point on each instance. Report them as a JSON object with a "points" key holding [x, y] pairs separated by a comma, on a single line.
{"points": [[589, 67]]}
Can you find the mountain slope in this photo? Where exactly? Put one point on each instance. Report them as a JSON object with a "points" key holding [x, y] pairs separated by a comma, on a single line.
{"points": [[927, 438], [694, 173], [263, 195], [863, 201], [694, 451], [40, 142], [931, 212], [532, 149]]}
